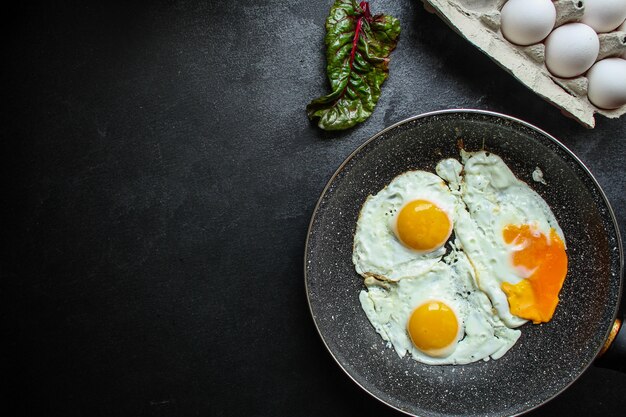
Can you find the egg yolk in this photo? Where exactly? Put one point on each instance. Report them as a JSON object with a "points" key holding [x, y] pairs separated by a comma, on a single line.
{"points": [[535, 297], [423, 226], [433, 327]]}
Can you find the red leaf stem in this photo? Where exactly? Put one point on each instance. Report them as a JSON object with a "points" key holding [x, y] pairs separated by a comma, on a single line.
{"points": [[365, 7]]}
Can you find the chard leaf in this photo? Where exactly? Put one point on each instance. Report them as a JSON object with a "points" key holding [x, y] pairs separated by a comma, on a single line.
{"points": [[357, 54]]}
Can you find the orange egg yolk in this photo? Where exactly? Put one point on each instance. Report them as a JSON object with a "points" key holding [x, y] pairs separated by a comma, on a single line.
{"points": [[423, 226], [535, 298], [433, 326]]}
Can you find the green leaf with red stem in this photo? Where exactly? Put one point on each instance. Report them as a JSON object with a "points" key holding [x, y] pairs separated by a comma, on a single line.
{"points": [[358, 46]]}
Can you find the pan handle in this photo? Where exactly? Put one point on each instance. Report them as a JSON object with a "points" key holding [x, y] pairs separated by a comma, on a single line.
{"points": [[613, 353]]}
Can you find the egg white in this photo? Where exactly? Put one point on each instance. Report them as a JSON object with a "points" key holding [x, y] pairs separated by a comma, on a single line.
{"points": [[377, 251], [482, 335], [494, 198]]}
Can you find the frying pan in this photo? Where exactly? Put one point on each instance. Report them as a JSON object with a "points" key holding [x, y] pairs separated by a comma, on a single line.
{"points": [[547, 357]]}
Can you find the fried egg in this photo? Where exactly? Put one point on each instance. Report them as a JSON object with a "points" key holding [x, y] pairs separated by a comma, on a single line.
{"points": [[439, 316], [511, 237], [401, 231], [507, 264]]}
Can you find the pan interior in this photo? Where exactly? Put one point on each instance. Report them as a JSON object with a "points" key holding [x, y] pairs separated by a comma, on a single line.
{"points": [[548, 357]]}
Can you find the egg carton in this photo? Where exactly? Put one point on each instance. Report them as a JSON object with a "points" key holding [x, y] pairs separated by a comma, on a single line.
{"points": [[479, 22]]}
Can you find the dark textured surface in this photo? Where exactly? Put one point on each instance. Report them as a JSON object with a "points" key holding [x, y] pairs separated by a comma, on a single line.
{"points": [[589, 297], [159, 177]]}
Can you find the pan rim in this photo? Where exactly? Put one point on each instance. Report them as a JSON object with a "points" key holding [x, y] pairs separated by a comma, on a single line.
{"points": [[485, 113]]}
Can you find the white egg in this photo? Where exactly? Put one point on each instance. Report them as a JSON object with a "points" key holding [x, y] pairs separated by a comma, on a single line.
{"points": [[494, 199], [607, 83], [474, 333], [604, 15], [526, 22], [378, 251], [571, 50]]}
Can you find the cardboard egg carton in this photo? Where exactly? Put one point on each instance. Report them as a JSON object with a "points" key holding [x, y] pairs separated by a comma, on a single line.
{"points": [[479, 22]]}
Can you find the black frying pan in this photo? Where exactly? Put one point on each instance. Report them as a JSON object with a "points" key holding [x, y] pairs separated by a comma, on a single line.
{"points": [[548, 357]]}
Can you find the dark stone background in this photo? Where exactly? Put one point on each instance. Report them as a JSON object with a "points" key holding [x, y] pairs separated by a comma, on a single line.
{"points": [[159, 175]]}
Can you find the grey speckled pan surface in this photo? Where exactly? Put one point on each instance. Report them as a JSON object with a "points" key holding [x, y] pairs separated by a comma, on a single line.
{"points": [[547, 357]]}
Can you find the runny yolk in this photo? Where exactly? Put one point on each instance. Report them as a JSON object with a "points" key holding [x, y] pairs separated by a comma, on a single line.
{"points": [[433, 327], [535, 297], [422, 226]]}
